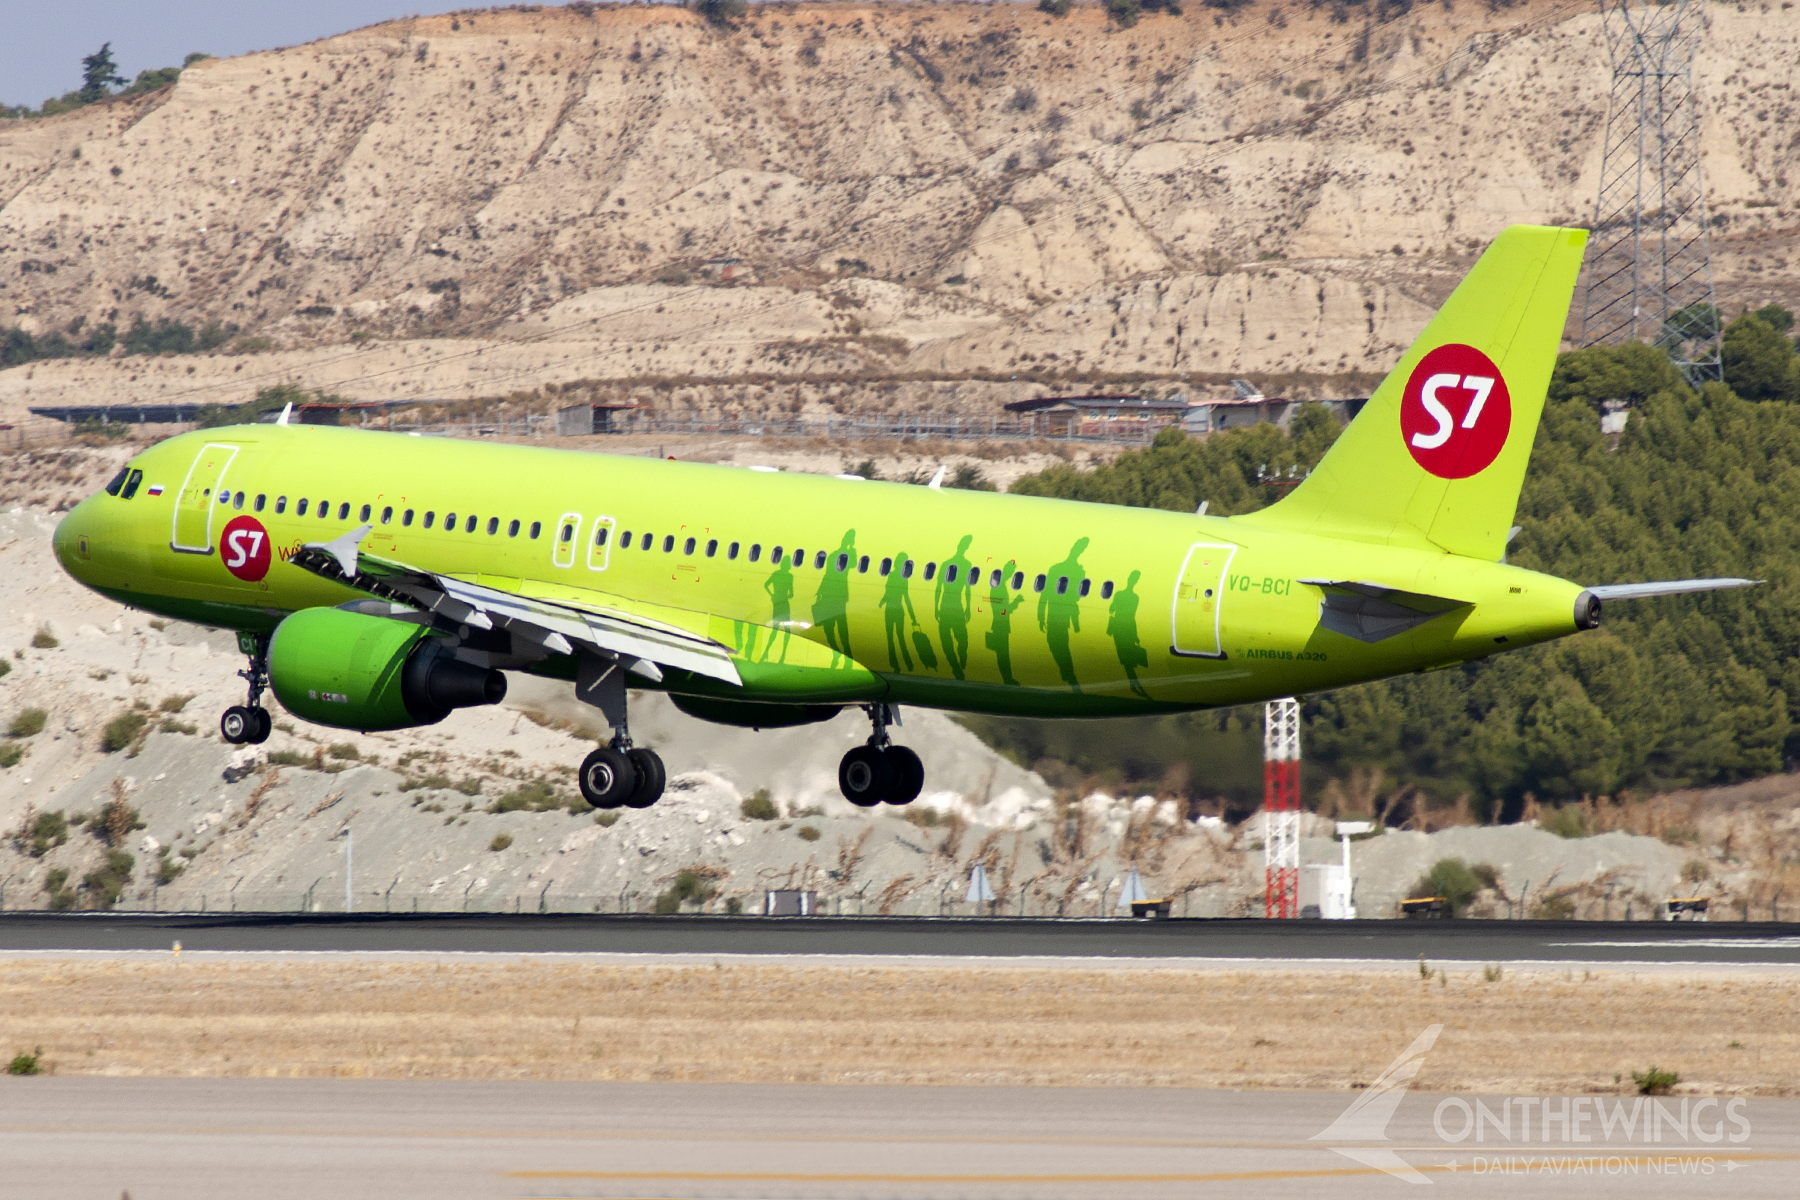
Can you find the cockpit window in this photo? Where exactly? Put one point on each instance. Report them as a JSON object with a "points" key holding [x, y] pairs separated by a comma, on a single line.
{"points": [[118, 481], [131, 485]]}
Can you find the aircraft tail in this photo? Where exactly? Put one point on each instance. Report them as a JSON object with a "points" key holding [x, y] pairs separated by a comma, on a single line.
{"points": [[1438, 455]]}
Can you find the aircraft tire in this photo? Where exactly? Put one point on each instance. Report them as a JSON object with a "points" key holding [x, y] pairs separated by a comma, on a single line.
{"points": [[262, 725], [607, 778], [651, 778], [865, 776], [238, 724], [909, 775]]}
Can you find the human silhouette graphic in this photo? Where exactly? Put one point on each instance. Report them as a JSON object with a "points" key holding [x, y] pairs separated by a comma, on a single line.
{"points": [[1121, 627], [952, 601], [1003, 603], [780, 586], [831, 603], [1059, 609], [896, 607]]}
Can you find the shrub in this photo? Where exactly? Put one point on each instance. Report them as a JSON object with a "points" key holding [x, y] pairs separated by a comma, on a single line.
{"points": [[501, 841], [470, 786], [720, 12], [43, 639], [759, 806], [173, 704], [1492, 972], [1056, 8], [30, 721], [168, 870], [1557, 907], [25, 1064], [46, 831], [436, 780], [1124, 12], [536, 796], [108, 883], [1654, 1082], [1454, 880], [346, 751], [10, 754], [178, 727], [62, 896], [606, 820], [121, 731], [1024, 99], [289, 758], [1566, 822], [116, 820], [690, 887], [808, 833]]}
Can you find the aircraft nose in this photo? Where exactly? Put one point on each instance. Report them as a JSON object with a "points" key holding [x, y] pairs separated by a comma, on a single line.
{"points": [[73, 540]]}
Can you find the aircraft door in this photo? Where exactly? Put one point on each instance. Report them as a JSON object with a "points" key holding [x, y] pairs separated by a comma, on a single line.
{"points": [[600, 545], [192, 533], [1196, 620], [568, 532]]}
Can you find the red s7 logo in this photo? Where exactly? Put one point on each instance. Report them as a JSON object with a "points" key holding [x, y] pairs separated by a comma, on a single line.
{"points": [[244, 549]]}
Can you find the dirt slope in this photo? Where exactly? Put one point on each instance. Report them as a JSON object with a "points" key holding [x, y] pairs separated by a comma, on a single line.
{"points": [[914, 192]]}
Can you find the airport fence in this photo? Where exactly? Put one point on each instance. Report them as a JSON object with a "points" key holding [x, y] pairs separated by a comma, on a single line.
{"points": [[926, 426]]}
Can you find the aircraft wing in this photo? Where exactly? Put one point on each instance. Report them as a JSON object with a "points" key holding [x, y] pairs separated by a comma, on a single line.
{"points": [[1374, 612], [560, 624], [1668, 587]]}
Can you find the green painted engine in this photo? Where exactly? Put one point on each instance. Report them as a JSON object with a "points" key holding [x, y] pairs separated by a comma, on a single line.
{"points": [[354, 671]]}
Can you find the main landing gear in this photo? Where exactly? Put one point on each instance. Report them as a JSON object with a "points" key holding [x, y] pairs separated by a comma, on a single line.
{"points": [[881, 770], [621, 775], [250, 722]]}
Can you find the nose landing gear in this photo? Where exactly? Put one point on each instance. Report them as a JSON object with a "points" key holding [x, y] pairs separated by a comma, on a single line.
{"points": [[250, 722], [880, 770]]}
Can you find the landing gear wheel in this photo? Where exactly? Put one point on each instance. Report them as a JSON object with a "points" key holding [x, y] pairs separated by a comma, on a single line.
{"points": [[238, 725], [865, 776], [607, 778], [909, 775], [262, 726], [651, 778]]}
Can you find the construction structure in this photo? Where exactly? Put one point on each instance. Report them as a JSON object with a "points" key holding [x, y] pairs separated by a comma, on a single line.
{"points": [[1649, 269], [1281, 808]]}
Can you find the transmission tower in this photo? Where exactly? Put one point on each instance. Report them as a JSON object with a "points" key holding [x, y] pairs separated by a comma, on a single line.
{"points": [[1649, 262], [1281, 808]]}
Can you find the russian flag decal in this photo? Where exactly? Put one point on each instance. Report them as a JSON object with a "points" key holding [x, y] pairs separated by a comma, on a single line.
{"points": [[156, 489]]}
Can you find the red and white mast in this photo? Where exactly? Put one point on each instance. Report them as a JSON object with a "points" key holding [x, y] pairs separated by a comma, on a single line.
{"points": [[1281, 808]]}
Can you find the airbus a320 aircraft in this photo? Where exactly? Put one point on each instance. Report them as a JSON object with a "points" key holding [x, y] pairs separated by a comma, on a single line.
{"points": [[379, 580]]}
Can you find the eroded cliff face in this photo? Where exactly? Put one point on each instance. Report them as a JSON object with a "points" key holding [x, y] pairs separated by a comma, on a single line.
{"points": [[912, 192]]}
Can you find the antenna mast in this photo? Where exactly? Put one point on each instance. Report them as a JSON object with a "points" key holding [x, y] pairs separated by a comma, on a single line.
{"points": [[1281, 808]]}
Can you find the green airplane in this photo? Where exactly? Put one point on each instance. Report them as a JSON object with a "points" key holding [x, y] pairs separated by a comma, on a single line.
{"points": [[380, 581]]}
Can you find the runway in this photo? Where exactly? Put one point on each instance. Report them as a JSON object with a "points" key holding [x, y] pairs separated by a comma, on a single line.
{"points": [[1721, 942], [275, 1139]]}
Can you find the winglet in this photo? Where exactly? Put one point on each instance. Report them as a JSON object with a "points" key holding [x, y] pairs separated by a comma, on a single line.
{"points": [[937, 481], [344, 548], [286, 411]]}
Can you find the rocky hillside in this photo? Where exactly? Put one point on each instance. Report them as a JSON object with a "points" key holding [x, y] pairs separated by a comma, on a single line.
{"points": [[472, 205]]}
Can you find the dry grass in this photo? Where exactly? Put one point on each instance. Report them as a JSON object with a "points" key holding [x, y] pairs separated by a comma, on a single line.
{"points": [[914, 1025]]}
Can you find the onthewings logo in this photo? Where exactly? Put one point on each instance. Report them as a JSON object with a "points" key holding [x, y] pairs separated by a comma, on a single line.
{"points": [[1456, 412], [244, 549], [1367, 1118]]}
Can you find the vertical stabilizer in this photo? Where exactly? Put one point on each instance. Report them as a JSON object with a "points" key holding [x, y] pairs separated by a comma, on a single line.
{"points": [[1438, 455]]}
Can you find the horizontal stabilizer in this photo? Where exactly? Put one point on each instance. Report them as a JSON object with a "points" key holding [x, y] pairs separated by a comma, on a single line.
{"points": [[1374, 612], [1668, 587]]}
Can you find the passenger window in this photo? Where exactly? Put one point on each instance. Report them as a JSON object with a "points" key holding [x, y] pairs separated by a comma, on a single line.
{"points": [[731, 552], [261, 499], [1106, 590], [300, 508], [324, 509], [887, 565], [366, 510], [843, 562], [1062, 585], [774, 555], [280, 505], [493, 526], [600, 535], [344, 511], [712, 547], [755, 551], [118, 481], [449, 522], [1018, 581], [688, 546], [906, 569], [469, 525], [1037, 585], [430, 516], [668, 543], [930, 569], [819, 561], [647, 541], [387, 515], [624, 538], [406, 518], [537, 527], [239, 502], [512, 527], [1085, 585], [568, 534], [862, 565], [949, 573], [131, 484], [994, 579]]}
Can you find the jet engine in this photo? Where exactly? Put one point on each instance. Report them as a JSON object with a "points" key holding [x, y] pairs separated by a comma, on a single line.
{"points": [[354, 671]]}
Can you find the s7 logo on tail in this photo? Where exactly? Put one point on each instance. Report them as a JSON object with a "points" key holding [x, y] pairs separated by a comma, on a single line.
{"points": [[1455, 413]]}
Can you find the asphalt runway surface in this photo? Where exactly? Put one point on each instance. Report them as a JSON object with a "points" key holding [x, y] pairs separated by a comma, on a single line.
{"points": [[199, 1139], [1723, 942]]}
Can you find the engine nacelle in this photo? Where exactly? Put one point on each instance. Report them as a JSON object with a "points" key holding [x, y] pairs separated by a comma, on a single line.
{"points": [[354, 671]]}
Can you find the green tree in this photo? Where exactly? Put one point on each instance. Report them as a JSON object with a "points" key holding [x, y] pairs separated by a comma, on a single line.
{"points": [[1759, 360], [98, 74]]}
